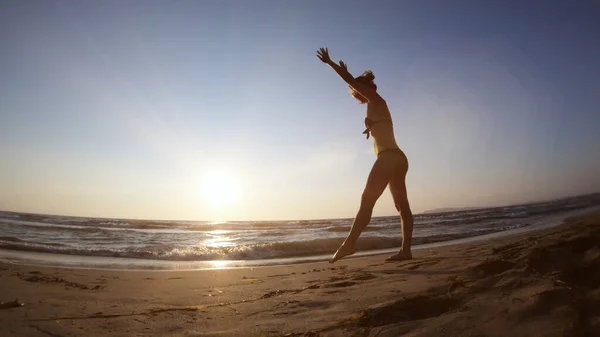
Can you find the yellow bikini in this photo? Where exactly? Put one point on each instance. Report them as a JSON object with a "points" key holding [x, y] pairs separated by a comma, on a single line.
{"points": [[379, 124]]}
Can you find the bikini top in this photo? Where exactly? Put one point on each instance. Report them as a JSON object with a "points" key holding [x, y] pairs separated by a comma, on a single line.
{"points": [[369, 124]]}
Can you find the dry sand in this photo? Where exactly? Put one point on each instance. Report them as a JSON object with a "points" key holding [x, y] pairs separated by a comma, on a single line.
{"points": [[544, 283]]}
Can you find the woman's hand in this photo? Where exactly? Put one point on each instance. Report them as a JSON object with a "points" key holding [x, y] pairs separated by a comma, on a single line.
{"points": [[343, 66], [323, 55], [341, 69]]}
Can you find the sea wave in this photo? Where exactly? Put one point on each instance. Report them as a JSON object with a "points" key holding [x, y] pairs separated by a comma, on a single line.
{"points": [[370, 228], [162, 227], [204, 253], [248, 240], [267, 250]]}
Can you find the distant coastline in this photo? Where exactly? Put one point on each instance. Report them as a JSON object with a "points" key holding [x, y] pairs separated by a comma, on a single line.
{"points": [[471, 208]]}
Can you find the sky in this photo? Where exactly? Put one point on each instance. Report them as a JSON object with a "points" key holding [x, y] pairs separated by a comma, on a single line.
{"points": [[220, 110]]}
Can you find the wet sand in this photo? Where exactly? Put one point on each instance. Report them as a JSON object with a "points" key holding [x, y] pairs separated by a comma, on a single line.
{"points": [[544, 283]]}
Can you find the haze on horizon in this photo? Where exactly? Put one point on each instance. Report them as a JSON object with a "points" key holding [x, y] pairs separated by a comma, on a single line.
{"points": [[219, 110]]}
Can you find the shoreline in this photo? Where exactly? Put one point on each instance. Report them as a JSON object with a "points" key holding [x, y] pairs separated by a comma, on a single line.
{"points": [[543, 283], [67, 261]]}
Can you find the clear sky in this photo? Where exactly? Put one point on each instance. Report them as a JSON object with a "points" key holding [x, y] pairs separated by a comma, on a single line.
{"points": [[125, 108]]}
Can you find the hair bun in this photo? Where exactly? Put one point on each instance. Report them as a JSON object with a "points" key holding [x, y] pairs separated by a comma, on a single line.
{"points": [[368, 75]]}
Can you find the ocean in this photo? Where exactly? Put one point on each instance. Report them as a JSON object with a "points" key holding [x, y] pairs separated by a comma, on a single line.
{"points": [[159, 244]]}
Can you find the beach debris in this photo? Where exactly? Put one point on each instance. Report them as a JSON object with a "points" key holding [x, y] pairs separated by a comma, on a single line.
{"points": [[41, 278], [12, 304]]}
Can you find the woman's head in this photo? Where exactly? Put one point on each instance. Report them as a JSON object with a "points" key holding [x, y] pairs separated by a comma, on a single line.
{"points": [[367, 78]]}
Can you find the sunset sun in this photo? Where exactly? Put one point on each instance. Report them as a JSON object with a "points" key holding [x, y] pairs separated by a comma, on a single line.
{"points": [[220, 188]]}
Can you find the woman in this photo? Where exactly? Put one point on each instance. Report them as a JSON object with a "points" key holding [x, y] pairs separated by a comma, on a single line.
{"points": [[390, 167]]}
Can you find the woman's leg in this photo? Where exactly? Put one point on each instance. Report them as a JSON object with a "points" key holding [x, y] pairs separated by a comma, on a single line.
{"points": [[399, 194], [381, 174]]}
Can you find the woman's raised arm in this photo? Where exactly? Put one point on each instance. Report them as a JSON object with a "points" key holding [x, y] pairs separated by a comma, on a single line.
{"points": [[342, 70]]}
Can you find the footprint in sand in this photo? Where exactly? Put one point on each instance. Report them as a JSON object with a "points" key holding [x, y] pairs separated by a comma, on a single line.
{"points": [[490, 268], [309, 304], [286, 313], [409, 309], [341, 284], [364, 277], [421, 263], [41, 278], [280, 275], [360, 277]]}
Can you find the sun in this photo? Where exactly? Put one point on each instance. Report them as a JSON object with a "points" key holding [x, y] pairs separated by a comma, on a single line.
{"points": [[220, 188]]}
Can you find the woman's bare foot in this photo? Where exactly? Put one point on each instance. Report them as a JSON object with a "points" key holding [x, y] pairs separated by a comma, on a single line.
{"points": [[400, 256], [344, 250]]}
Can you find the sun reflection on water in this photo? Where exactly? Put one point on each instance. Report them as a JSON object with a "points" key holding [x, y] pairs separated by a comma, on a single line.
{"points": [[219, 238], [214, 223], [220, 264]]}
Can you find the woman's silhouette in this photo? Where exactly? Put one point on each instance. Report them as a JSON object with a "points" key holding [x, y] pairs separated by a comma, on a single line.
{"points": [[390, 167]]}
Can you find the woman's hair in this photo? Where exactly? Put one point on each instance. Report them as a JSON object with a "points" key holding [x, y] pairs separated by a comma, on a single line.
{"points": [[366, 77]]}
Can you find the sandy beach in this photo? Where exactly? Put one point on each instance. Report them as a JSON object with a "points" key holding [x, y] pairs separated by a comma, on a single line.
{"points": [[544, 283]]}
